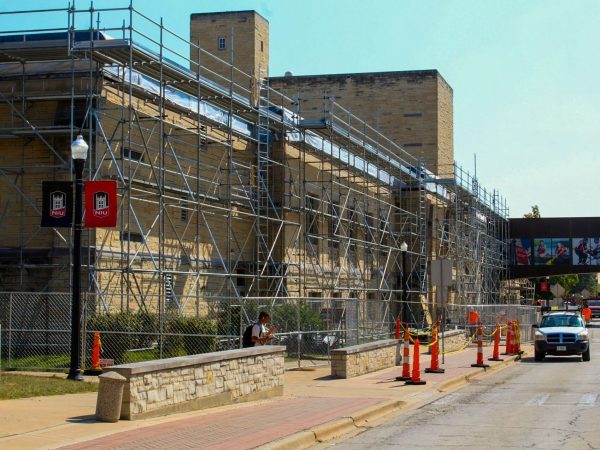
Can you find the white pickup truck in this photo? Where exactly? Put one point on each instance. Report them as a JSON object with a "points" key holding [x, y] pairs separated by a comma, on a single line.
{"points": [[562, 333]]}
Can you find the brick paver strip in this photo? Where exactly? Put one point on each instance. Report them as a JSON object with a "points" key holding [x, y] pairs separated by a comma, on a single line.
{"points": [[246, 427]]}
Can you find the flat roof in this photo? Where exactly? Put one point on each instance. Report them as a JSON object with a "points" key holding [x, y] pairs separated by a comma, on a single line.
{"points": [[229, 13], [426, 73]]}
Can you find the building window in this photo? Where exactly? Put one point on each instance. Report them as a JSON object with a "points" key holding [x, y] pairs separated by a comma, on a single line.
{"points": [[261, 46], [416, 114], [221, 43], [334, 216], [241, 280], [184, 211], [169, 292], [131, 237], [413, 144], [383, 231], [369, 231], [351, 232], [312, 221], [131, 154]]}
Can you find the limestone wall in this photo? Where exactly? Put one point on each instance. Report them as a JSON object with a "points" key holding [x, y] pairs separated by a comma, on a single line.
{"points": [[453, 340], [414, 109], [359, 359], [186, 383]]}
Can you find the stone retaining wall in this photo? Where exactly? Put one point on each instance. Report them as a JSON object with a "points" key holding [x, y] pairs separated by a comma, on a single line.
{"points": [[359, 359], [186, 383], [452, 340]]}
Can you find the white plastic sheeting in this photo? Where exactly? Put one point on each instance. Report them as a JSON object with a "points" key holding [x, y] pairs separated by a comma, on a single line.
{"points": [[181, 99]]}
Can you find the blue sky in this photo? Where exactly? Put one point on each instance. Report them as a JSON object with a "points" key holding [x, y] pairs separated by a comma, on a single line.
{"points": [[524, 73]]}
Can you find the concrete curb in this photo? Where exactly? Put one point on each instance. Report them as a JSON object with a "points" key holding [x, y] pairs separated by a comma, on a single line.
{"points": [[363, 417], [302, 439], [360, 419], [475, 373], [334, 428]]}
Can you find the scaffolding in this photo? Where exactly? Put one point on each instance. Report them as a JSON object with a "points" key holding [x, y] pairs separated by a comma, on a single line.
{"points": [[231, 198], [473, 233]]}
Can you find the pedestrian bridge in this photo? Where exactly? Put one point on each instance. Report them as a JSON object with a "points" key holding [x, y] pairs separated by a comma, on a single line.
{"points": [[554, 246]]}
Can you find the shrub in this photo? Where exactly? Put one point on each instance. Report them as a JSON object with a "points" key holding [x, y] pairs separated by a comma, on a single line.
{"points": [[119, 333], [189, 336], [296, 317]]}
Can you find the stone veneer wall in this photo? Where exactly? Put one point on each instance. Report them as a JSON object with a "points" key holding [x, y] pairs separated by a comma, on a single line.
{"points": [[186, 383], [359, 359], [453, 340]]}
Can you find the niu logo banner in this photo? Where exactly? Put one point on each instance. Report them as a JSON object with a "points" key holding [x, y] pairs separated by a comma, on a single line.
{"points": [[100, 204], [57, 204]]}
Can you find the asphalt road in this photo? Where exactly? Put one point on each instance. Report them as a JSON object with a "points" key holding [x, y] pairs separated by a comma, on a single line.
{"points": [[553, 404]]}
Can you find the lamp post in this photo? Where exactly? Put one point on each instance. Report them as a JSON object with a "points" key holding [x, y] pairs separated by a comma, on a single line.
{"points": [[403, 250], [79, 151]]}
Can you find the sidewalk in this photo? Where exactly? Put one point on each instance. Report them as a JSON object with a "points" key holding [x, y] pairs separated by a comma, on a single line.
{"points": [[315, 408]]}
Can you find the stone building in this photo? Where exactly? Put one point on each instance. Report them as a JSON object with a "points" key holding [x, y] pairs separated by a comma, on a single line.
{"points": [[237, 190]]}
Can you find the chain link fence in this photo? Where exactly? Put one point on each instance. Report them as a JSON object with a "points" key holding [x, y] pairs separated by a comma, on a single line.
{"points": [[36, 327]]}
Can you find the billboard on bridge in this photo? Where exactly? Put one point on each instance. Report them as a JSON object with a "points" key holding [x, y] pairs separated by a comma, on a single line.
{"points": [[543, 251], [543, 247], [554, 251], [586, 251]]}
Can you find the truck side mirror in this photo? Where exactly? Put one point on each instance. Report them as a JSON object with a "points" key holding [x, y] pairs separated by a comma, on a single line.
{"points": [[535, 325]]}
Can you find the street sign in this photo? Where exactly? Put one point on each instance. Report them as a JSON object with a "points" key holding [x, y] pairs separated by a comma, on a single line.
{"points": [[557, 290]]}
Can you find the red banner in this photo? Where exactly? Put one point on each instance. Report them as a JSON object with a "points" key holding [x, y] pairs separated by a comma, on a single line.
{"points": [[100, 204]]}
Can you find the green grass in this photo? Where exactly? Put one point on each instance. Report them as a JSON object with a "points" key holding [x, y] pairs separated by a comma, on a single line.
{"points": [[62, 361], [54, 362], [22, 386], [141, 355]]}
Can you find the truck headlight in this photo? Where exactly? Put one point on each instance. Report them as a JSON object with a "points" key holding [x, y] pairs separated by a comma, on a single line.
{"points": [[539, 336], [583, 336]]}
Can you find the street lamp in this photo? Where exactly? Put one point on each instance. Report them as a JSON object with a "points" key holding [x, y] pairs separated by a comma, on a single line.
{"points": [[79, 151], [403, 250]]}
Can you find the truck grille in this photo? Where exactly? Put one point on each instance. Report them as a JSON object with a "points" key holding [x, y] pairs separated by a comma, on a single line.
{"points": [[561, 338]]}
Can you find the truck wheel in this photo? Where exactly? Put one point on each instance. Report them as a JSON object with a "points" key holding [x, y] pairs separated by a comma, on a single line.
{"points": [[538, 356], [585, 356]]}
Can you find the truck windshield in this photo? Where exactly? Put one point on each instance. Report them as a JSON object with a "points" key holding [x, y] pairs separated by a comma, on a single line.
{"points": [[561, 321]]}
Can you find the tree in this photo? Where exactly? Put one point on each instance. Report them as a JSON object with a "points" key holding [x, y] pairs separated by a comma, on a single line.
{"points": [[587, 281], [534, 214], [568, 282]]}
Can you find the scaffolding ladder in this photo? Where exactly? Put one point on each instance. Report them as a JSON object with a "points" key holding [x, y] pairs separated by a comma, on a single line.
{"points": [[263, 202]]}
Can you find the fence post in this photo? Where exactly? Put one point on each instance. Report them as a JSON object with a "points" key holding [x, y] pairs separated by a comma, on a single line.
{"points": [[10, 301]]}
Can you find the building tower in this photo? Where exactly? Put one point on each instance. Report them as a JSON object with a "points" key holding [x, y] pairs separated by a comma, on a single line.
{"points": [[238, 37]]}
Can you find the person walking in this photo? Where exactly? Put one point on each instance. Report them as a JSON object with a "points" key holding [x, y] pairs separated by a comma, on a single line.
{"points": [[586, 313]]}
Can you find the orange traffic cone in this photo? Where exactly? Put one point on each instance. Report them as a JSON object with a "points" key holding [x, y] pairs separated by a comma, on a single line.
{"points": [[95, 368], [434, 366], [480, 362], [496, 355], [405, 357], [416, 373]]}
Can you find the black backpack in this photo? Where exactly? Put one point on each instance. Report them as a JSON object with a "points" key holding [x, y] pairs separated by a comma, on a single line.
{"points": [[247, 336]]}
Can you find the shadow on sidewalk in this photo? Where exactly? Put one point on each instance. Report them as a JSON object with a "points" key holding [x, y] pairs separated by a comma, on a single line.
{"points": [[328, 378], [88, 418]]}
